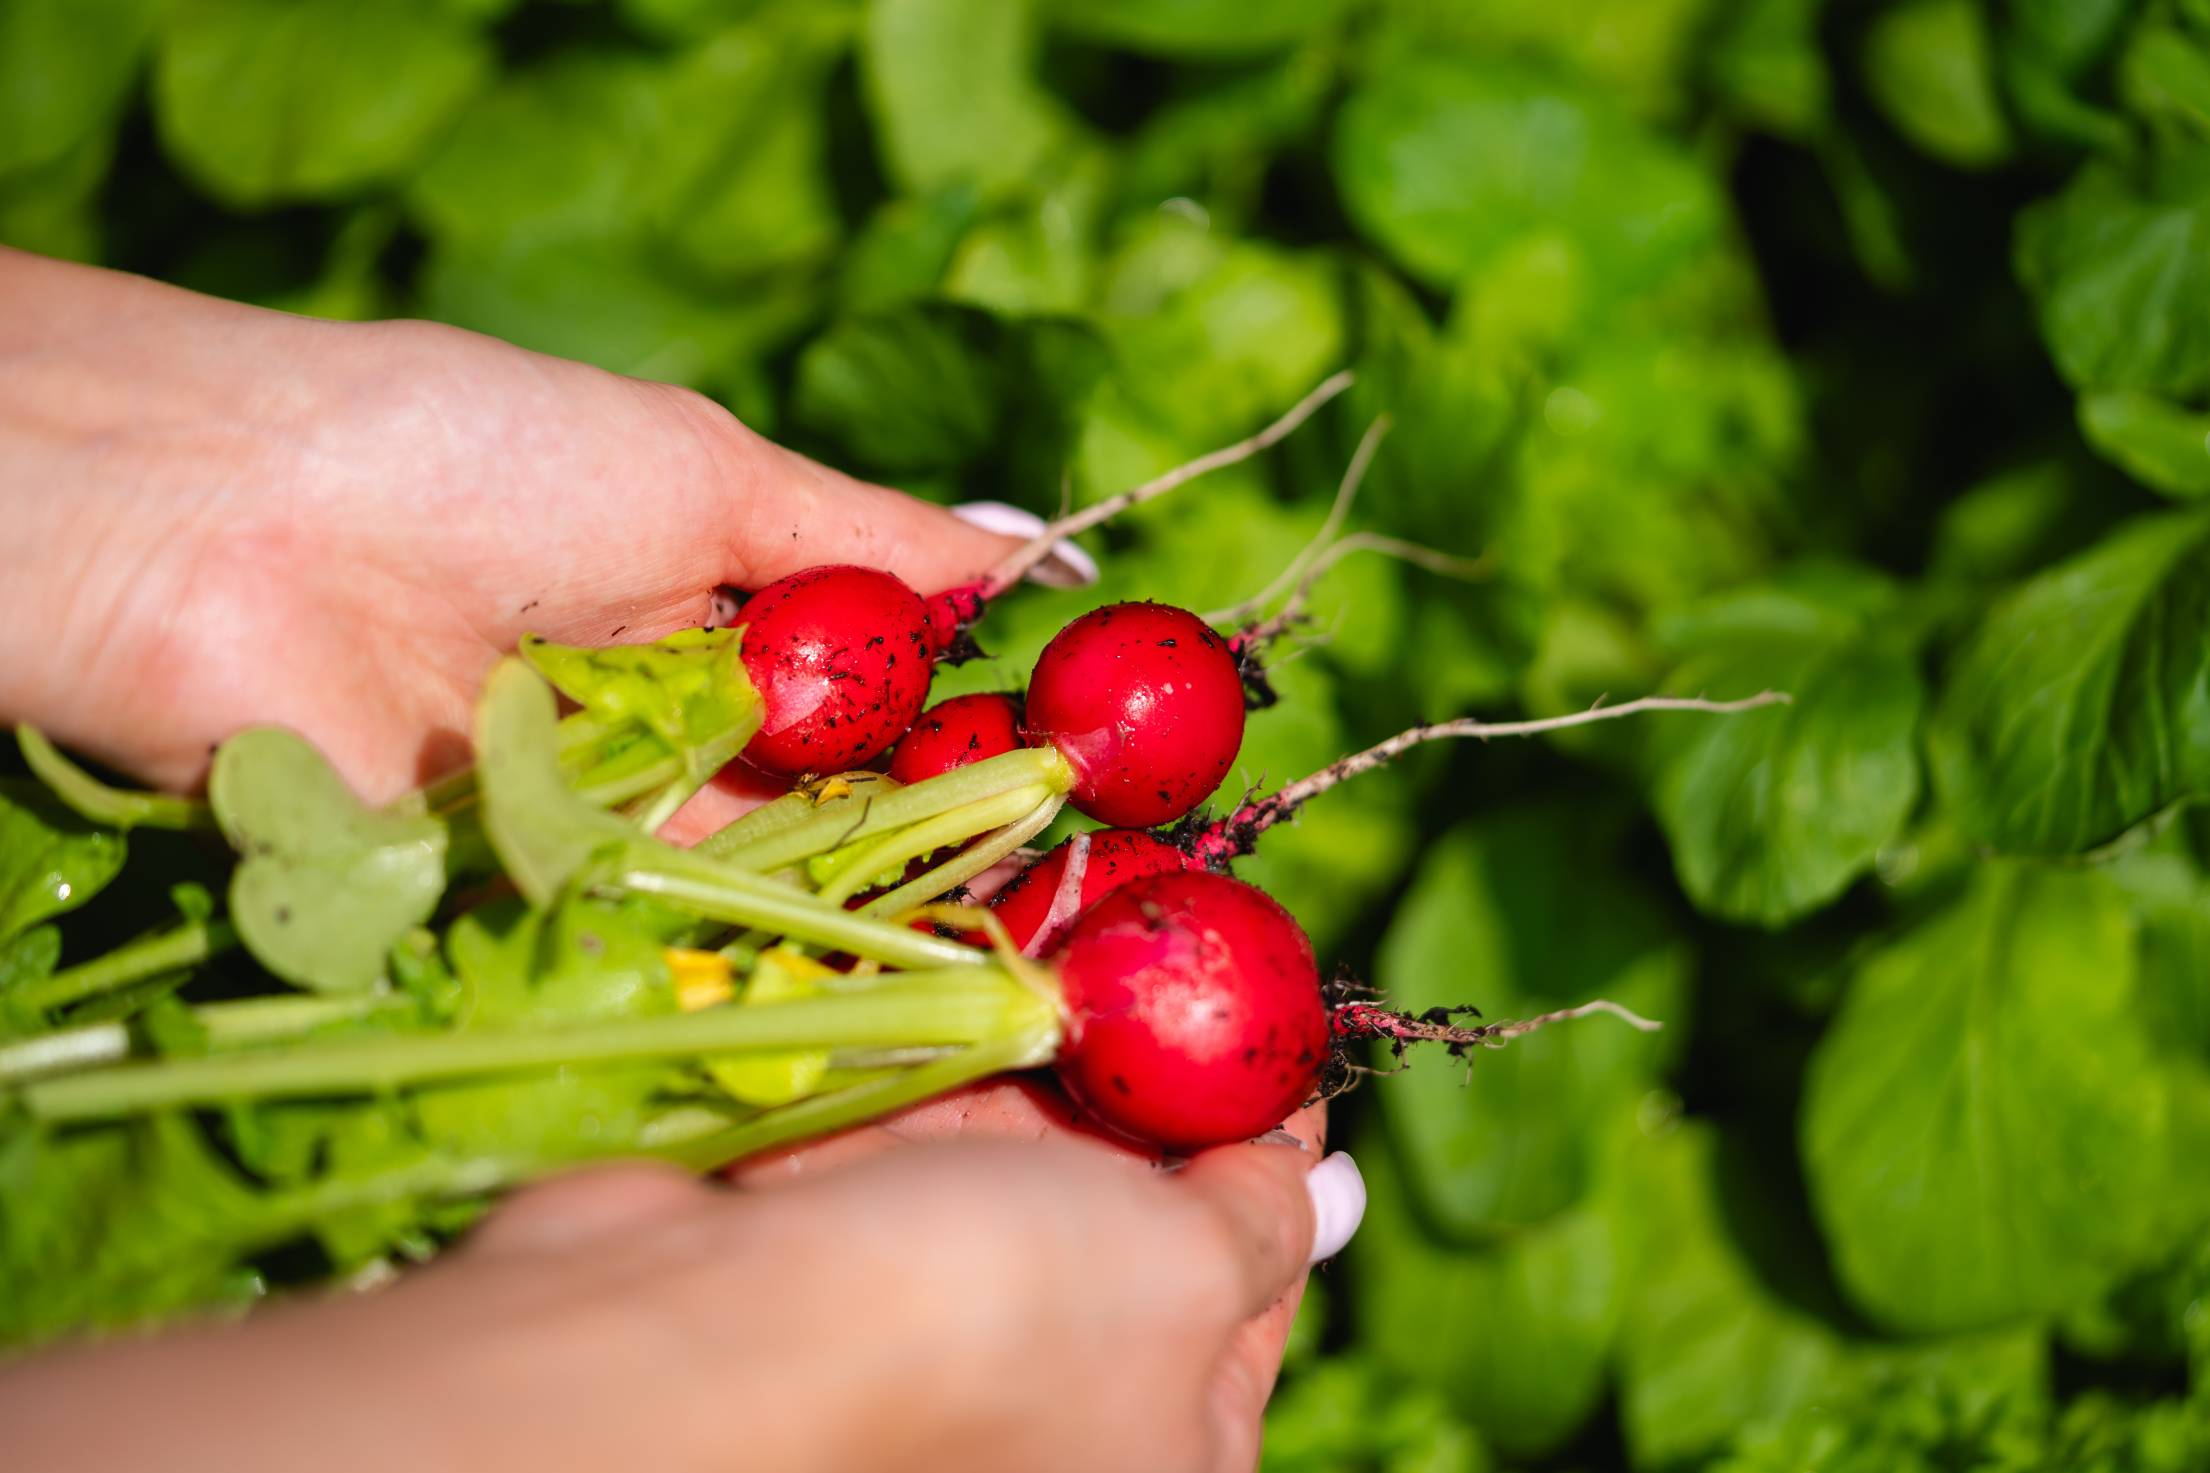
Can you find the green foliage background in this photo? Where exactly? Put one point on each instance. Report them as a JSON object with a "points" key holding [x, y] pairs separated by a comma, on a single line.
{"points": [[1857, 349]]}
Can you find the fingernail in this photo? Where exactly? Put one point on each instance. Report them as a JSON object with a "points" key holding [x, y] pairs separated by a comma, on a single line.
{"points": [[1279, 1137], [1338, 1202], [1067, 566]]}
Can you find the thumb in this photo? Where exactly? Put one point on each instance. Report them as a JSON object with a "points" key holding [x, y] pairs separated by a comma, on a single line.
{"points": [[785, 512], [1257, 1196]]}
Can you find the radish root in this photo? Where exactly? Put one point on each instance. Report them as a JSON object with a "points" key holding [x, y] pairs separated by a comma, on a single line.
{"points": [[1016, 564]]}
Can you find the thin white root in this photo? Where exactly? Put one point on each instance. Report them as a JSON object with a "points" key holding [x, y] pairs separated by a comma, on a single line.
{"points": [[1268, 811], [1495, 1034], [1346, 492], [1016, 564]]}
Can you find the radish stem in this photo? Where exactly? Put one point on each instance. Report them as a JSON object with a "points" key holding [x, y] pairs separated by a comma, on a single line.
{"points": [[953, 1005], [965, 865], [148, 956], [706, 889], [953, 826], [841, 821]]}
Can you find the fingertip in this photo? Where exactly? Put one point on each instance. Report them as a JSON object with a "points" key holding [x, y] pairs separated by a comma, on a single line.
{"points": [[1065, 566], [1338, 1194]]}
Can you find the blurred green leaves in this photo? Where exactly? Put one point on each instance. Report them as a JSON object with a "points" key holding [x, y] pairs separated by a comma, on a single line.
{"points": [[1513, 1137], [1983, 1128], [1770, 814], [2081, 705], [266, 101]]}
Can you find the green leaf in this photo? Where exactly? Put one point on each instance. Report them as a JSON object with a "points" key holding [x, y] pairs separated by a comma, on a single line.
{"points": [[2170, 899], [1712, 1345], [610, 302], [1983, 1128], [583, 960], [115, 1225], [53, 209], [325, 885], [2112, 265], [1215, 336], [543, 832], [1644, 52], [1454, 167], [902, 251], [2081, 704], [2160, 444], [1652, 468], [689, 689], [557, 149], [1768, 66], [269, 100], [50, 861], [1192, 28], [2164, 72], [1772, 813], [742, 178], [1352, 1412], [936, 388], [1516, 1335], [65, 68], [950, 87], [1927, 65], [1512, 1137]]}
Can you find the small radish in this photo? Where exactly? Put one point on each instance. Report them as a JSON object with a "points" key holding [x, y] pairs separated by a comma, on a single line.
{"points": [[953, 733], [1112, 858], [1145, 702], [841, 657], [1194, 1012]]}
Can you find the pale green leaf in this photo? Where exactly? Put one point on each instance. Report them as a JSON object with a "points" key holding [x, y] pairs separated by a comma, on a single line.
{"points": [[2081, 704], [1983, 1128]]}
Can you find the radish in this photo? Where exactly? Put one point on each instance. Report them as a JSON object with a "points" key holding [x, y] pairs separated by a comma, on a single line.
{"points": [[1038, 904], [1031, 905], [841, 657], [1145, 702], [1193, 1012], [953, 733]]}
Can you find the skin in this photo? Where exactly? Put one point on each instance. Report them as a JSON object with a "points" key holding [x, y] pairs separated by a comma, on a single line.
{"points": [[213, 516]]}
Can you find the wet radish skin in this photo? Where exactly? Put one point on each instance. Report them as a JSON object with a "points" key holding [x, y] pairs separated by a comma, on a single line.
{"points": [[1145, 702], [1116, 857], [841, 657], [1194, 1011], [953, 733]]}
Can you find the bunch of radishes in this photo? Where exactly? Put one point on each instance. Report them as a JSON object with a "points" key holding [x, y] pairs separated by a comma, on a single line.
{"points": [[1191, 1007]]}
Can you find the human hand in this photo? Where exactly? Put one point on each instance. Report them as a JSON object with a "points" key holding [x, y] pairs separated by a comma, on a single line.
{"points": [[975, 1306], [215, 516]]}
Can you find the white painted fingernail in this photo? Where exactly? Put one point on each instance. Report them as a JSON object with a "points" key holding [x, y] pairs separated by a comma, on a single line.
{"points": [[1068, 566], [1338, 1203]]}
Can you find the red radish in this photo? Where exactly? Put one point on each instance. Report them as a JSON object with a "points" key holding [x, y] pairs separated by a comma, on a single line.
{"points": [[841, 657], [1194, 1014], [1145, 702], [953, 733], [1114, 857]]}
